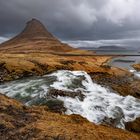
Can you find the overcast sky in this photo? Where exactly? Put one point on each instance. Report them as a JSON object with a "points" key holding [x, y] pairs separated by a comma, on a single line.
{"points": [[80, 22]]}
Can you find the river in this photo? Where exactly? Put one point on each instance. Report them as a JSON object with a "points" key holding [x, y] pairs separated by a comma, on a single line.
{"points": [[99, 104]]}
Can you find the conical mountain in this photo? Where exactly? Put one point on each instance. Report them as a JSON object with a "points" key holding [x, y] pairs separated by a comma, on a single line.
{"points": [[35, 29], [35, 37]]}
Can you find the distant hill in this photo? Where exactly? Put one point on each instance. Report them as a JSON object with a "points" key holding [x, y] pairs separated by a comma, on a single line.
{"points": [[111, 48], [104, 48]]}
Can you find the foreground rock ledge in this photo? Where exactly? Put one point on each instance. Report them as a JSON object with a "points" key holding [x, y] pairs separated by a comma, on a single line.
{"points": [[38, 123]]}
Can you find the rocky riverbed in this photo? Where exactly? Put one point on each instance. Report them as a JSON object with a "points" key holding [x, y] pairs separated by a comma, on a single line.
{"points": [[74, 92]]}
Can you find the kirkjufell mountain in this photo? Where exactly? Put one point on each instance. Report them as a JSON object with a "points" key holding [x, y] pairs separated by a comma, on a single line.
{"points": [[35, 37]]}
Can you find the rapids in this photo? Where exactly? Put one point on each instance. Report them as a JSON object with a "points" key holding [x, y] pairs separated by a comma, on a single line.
{"points": [[99, 105]]}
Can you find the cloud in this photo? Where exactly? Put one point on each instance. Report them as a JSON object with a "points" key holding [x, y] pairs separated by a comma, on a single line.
{"points": [[74, 19], [132, 43], [118, 11], [2, 39]]}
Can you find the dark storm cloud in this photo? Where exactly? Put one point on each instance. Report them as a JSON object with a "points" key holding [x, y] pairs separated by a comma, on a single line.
{"points": [[74, 19]]}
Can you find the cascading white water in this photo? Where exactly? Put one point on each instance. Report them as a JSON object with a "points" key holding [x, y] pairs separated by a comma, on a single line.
{"points": [[99, 104], [136, 73]]}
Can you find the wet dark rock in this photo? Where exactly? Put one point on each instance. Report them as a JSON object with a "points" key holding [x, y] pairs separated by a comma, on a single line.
{"points": [[68, 62], [82, 63], [26, 74], [56, 106], [56, 93], [3, 71], [53, 104], [106, 66], [2, 64], [3, 128], [133, 126]]}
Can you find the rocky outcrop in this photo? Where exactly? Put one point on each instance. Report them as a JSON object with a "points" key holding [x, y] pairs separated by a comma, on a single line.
{"points": [[122, 84], [136, 67], [56, 93], [15, 66], [134, 126], [20, 122]]}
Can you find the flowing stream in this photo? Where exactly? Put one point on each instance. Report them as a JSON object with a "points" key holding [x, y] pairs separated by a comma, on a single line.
{"points": [[99, 104]]}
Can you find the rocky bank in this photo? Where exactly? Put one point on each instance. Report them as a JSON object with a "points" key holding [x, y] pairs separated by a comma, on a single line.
{"points": [[18, 122], [136, 67]]}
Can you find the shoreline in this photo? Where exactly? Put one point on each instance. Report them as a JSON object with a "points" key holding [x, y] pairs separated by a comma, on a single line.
{"points": [[69, 54]]}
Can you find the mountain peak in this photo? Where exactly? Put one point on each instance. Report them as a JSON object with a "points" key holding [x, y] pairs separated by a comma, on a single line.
{"points": [[34, 28], [33, 20]]}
